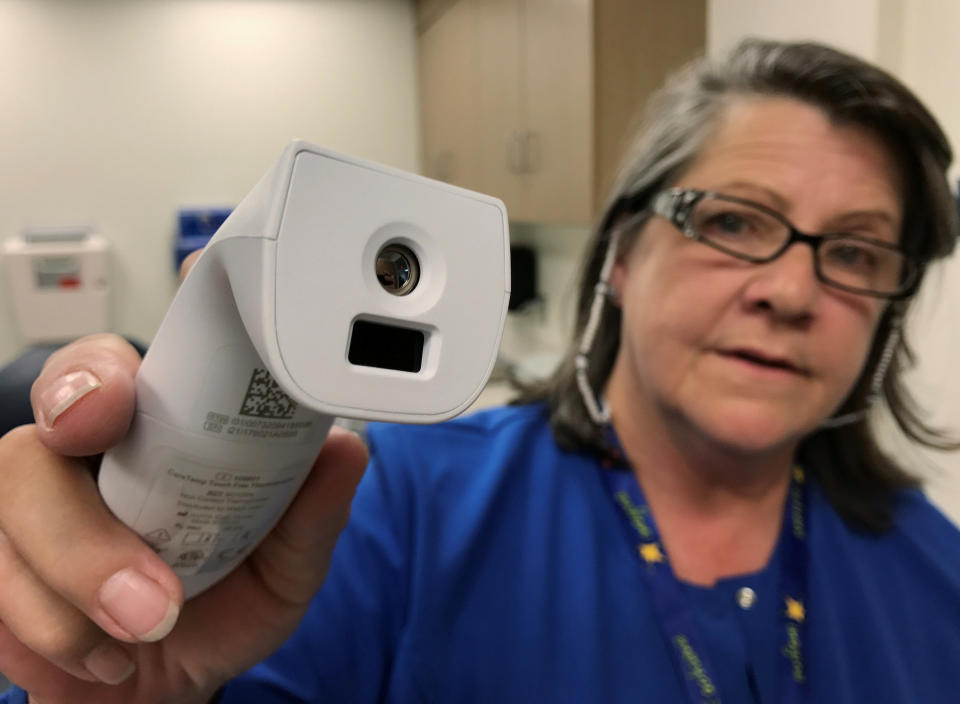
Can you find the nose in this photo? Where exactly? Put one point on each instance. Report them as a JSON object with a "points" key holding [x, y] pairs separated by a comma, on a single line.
{"points": [[787, 286]]}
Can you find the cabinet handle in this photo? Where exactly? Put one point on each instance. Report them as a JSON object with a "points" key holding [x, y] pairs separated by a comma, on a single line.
{"points": [[516, 153], [513, 153], [443, 165], [531, 151], [523, 152]]}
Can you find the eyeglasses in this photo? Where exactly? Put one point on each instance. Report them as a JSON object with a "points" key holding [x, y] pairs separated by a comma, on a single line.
{"points": [[754, 233]]}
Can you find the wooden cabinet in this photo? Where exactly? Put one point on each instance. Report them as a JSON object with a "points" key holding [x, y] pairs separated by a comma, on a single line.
{"points": [[449, 104], [528, 99]]}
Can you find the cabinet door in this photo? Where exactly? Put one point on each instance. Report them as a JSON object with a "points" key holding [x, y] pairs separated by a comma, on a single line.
{"points": [[501, 121], [449, 97], [507, 104], [557, 112], [639, 43]]}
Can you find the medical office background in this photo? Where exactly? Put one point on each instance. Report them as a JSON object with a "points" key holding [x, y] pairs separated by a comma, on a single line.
{"points": [[118, 114]]}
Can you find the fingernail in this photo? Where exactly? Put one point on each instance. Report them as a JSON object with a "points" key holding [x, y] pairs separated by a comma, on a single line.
{"points": [[109, 663], [65, 392], [139, 605]]}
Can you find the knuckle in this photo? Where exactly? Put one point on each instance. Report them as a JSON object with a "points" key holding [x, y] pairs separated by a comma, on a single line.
{"points": [[18, 438], [9, 562], [91, 350], [188, 263], [15, 445], [22, 454], [60, 641], [115, 344], [39, 621]]}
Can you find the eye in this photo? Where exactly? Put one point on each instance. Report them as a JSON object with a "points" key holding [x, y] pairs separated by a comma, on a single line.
{"points": [[737, 227], [728, 223], [854, 256]]}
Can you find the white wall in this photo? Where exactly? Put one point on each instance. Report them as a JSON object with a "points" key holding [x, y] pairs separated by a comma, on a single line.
{"points": [[873, 29], [930, 54], [120, 112], [849, 24], [917, 42]]}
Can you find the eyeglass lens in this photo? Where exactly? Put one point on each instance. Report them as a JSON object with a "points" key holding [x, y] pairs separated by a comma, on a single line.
{"points": [[743, 230]]}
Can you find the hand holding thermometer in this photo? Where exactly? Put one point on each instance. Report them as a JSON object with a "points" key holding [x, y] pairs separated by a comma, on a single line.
{"points": [[338, 287]]}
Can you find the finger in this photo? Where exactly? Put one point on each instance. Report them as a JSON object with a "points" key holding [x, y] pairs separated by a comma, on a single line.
{"points": [[36, 675], [54, 629], [56, 522], [84, 398], [292, 560], [188, 263]]}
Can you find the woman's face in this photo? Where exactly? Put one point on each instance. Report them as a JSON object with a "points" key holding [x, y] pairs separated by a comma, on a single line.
{"points": [[755, 356]]}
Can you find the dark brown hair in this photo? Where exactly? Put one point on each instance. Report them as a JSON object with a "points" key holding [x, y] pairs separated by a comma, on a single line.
{"points": [[857, 477]]}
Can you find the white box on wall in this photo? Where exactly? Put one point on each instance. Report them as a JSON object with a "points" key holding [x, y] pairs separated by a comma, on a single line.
{"points": [[58, 283]]}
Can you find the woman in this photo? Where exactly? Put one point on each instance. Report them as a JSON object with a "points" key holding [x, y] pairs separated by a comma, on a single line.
{"points": [[691, 509]]}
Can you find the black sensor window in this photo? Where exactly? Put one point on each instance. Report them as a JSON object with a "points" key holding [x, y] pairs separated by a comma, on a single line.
{"points": [[385, 346]]}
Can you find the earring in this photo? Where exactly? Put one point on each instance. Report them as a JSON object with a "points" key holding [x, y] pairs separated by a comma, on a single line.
{"points": [[876, 385]]}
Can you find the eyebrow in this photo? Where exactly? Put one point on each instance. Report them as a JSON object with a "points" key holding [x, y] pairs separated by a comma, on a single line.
{"points": [[871, 214], [782, 203], [779, 201]]}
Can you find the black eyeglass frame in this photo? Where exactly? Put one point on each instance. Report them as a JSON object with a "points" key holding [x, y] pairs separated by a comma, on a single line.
{"points": [[677, 204]]}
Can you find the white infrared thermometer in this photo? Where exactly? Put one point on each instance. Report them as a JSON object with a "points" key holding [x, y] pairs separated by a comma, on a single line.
{"points": [[337, 287]]}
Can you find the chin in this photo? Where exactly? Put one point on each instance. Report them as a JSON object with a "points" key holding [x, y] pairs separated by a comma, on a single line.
{"points": [[751, 428]]}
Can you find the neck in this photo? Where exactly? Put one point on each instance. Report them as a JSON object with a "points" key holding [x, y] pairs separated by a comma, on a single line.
{"points": [[718, 510]]}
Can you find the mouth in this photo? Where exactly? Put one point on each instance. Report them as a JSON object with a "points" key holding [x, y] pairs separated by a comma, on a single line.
{"points": [[763, 360]]}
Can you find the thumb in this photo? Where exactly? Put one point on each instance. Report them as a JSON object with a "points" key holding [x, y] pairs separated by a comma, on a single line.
{"points": [[84, 398], [296, 554]]}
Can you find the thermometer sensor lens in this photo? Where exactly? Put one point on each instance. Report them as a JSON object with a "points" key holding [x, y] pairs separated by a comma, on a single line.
{"points": [[398, 270]]}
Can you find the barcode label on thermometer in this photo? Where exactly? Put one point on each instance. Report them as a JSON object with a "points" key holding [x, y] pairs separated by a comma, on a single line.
{"points": [[265, 399], [250, 408]]}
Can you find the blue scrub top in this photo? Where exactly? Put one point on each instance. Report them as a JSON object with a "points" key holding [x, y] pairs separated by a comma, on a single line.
{"points": [[482, 563]]}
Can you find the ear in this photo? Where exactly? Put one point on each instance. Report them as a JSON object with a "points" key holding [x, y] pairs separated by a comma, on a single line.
{"points": [[618, 279], [618, 274]]}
